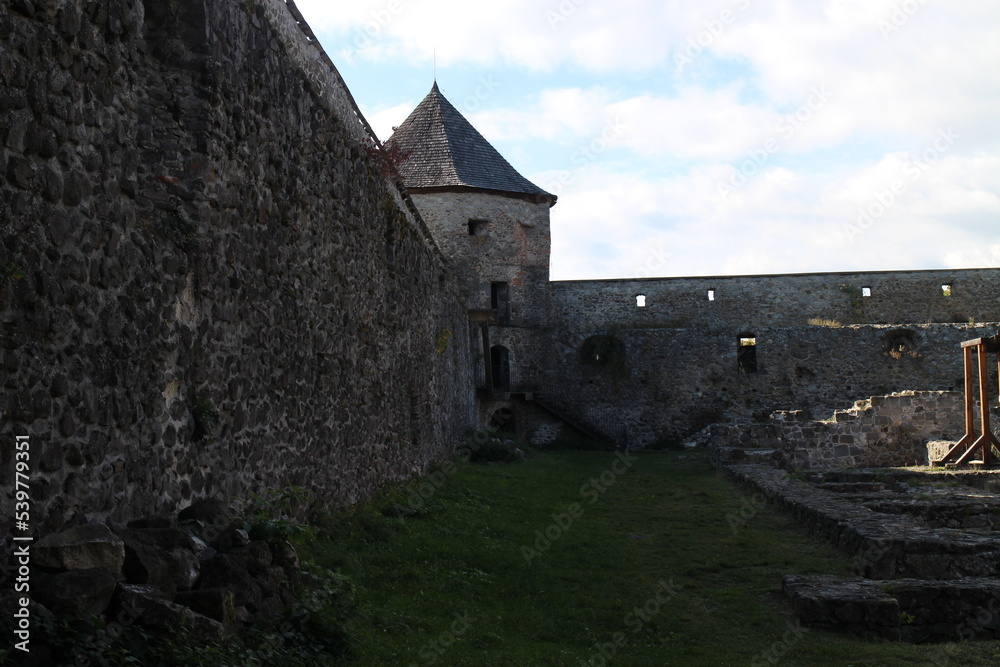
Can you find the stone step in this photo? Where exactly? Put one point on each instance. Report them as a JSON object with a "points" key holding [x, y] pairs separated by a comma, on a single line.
{"points": [[936, 449], [853, 487], [722, 456], [883, 546], [912, 610]]}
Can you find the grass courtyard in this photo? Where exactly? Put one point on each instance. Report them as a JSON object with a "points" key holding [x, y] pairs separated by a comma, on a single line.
{"points": [[588, 558]]}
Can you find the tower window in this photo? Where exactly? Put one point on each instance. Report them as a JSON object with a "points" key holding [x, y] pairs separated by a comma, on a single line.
{"points": [[500, 301], [746, 354], [866, 291], [640, 301], [711, 295], [478, 227], [946, 290]]}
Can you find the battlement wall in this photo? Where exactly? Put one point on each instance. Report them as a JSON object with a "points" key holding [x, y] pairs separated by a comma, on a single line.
{"points": [[741, 302]]}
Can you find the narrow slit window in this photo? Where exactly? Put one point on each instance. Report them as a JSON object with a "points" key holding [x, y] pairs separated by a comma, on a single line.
{"points": [[711, 295], [866, 292], [746, 354], [640, 301], [946, 290], [500, 301]]}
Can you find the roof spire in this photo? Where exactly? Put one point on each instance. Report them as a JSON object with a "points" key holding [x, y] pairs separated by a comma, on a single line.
{"points": [[446, 151]]}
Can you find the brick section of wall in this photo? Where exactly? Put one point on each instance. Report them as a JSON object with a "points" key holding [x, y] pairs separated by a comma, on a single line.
{"points": [[193, 231]]}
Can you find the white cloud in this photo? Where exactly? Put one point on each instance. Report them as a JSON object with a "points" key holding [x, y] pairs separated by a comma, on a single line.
{"points": [[782, 221], [895, 74], [986, 257], [385, 119]]}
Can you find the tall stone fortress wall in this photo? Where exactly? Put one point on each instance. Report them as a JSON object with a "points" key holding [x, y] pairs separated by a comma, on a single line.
{"points": [[207, 287], [819, 342]]}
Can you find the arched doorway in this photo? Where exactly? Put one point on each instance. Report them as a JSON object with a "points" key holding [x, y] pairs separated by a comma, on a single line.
{"points": [[500, 361]]}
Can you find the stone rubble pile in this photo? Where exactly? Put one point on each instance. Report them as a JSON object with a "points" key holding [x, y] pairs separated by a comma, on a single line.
{"points": [[197, 568]]}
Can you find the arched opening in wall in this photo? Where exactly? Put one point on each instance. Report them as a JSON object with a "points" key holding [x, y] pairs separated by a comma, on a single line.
{"points": [[500, 361], [504, 419], [900, 344], [607, 352], [746, 353]]}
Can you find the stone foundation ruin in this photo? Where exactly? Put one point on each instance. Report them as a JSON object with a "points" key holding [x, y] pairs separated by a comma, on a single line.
{"points": [[923, 539]]}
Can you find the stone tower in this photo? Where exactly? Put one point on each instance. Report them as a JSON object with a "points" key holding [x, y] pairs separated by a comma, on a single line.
{"points": [[493, 224]]}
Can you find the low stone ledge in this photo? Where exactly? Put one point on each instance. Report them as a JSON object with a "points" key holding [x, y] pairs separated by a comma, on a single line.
{"points": [[883, 546], [912, 610]]}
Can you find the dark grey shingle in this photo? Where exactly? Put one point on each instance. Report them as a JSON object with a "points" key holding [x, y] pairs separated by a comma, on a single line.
{"points": [[445, 150]]}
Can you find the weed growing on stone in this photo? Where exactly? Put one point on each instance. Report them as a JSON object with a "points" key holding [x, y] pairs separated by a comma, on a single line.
{"points": [[10, 272], [206, 418], [820, 322]]}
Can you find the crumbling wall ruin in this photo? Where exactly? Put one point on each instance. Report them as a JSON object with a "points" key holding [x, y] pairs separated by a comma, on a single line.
{"points": [[879, 431], [760, 343]]}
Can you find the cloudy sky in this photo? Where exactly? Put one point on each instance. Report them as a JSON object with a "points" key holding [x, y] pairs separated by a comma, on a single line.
{"points": [[712, 137]]}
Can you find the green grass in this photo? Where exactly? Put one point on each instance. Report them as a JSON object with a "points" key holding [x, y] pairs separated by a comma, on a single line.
{"points": [[647, 569]]}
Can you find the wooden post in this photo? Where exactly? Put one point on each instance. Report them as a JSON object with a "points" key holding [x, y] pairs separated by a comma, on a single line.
{"points": [[484, 318], [484, 327], [984, 406], [962, 446], [983, 440], [970, 404]]}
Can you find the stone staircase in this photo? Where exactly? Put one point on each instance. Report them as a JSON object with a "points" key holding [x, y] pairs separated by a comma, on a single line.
{"points": [[880, 431], [925, 546], [593, 426]]}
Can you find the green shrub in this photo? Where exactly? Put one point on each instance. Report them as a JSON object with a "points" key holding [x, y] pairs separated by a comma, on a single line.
{"points": [[495, 450]]}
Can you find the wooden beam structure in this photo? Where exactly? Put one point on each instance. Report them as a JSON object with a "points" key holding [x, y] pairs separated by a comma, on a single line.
{"points": [[484, 318], [979, 441]]}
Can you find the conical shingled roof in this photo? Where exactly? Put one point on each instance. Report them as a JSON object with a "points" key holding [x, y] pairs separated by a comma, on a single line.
{"points": [[446, 151]]}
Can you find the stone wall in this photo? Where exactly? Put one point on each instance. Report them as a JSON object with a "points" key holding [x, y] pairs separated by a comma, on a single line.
{"points": [[880, 431], [670, 382], [682, 365], [895, 297], [508, 242], [208, 289]]}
